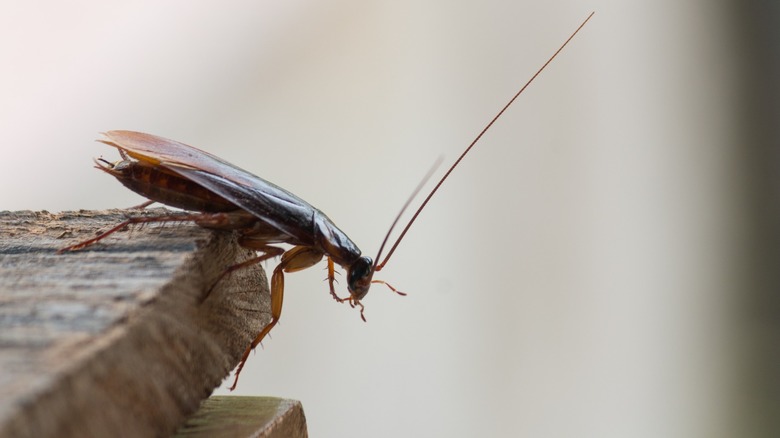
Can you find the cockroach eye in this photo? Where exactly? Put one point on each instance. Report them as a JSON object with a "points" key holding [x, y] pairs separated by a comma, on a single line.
{"points": [[359, 277]]}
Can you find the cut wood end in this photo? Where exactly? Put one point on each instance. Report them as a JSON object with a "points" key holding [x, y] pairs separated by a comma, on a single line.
{"points": [[114, 336]]}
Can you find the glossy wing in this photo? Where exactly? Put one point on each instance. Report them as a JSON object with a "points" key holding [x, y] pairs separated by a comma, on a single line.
{"points": [[265, 200], [303, 223], [268, 202], [156, 150]]}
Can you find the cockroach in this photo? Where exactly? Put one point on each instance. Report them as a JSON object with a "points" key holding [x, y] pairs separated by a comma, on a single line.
{"points": [[224, 196]]}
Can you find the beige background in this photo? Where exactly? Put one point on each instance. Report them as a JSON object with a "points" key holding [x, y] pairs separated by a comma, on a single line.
{"points": [[573, 278]]}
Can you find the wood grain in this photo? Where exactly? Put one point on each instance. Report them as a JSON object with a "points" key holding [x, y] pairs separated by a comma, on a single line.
{"points": [[114, 340], [258, 417]]}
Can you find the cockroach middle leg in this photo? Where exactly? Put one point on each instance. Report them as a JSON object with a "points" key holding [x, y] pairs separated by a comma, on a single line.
{"points": [[295, 259], [268, 251]]}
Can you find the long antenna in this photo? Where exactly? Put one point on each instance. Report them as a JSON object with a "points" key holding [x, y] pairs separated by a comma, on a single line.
{"points": [[406, 204], [379, 265]]}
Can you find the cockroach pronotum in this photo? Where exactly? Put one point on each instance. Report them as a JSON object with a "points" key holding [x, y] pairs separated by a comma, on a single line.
{"points": [[223, 196]]}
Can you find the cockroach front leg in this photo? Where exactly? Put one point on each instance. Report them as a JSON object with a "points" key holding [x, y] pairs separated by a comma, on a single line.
{"points": [[296, 259], [331, 283]]}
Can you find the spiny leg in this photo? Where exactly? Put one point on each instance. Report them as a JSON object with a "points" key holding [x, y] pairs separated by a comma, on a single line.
{"points": [[332, 280], [133, 221], [268, 251], [277, 297], [296, 259]]}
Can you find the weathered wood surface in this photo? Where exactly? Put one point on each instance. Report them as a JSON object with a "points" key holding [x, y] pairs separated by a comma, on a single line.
{"points": [[232, 416], [113, 340]]}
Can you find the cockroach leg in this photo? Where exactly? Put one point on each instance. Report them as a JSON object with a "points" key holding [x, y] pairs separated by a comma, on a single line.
{"points": [[142, 205], [353, 303], [133, 221], [269, 252], [350, 299], [332, 281], [295, 259]]}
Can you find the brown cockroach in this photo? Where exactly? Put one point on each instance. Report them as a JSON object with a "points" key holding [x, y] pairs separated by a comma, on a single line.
{"points": [[230, 198]]}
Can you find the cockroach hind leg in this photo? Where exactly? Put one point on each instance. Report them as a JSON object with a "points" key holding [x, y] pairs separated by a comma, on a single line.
{"points": [[100, 236], [128, 222], [141, 206]]}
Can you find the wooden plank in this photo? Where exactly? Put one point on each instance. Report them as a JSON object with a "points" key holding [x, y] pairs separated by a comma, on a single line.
{"points": [[233, 416], [114, 340]]}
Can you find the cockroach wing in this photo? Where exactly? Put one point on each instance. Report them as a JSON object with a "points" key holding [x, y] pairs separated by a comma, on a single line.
{"points": [[268, 202], [280, 209], [155, 150], [265, 201], [185, 160]]}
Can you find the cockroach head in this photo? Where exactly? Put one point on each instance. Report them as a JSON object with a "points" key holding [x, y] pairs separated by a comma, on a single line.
{"points": [[359, 277]]}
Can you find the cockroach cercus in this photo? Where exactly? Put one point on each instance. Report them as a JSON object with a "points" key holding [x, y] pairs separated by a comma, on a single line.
{"points": [[223, 196]]}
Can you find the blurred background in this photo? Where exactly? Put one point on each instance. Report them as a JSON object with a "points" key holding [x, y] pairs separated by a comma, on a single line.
{"points": [[602, 264]]}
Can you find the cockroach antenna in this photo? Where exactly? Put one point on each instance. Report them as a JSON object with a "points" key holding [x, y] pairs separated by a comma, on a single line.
{"points": [[381, 264]]}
